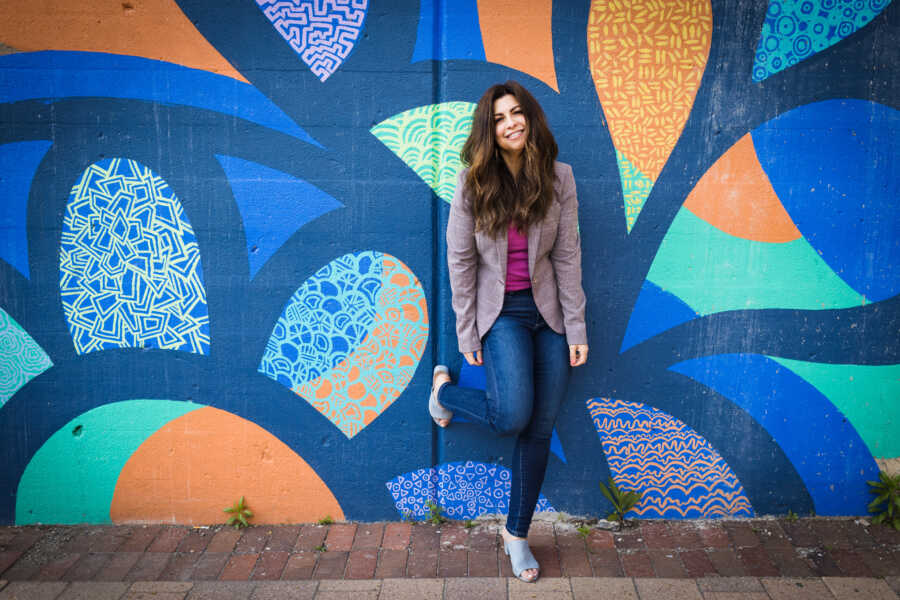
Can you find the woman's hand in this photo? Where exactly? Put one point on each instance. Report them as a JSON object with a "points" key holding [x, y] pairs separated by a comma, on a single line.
{"points": [[474, 358], [578, 354]]}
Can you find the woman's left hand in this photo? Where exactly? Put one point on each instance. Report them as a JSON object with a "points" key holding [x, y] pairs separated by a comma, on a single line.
{"points": [[578, 354]]}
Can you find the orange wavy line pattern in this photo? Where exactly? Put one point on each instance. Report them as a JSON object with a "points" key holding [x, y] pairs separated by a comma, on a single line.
{"points": [[677, 472]]}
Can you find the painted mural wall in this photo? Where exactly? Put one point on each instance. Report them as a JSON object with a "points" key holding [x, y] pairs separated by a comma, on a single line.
{"points": [[222, 269]]}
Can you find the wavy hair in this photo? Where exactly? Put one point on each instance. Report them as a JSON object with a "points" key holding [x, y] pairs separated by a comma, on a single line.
{"points": [[498, 199]]}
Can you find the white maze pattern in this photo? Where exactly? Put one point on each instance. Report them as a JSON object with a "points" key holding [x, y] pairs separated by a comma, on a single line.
{"points": [[322, 32]]}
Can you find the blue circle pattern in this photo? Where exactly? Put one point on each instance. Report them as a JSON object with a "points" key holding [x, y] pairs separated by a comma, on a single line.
{"points": [[796, 29], [325, 320], [465, 490]]}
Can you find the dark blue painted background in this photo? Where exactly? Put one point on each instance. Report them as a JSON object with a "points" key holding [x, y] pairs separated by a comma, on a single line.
{"points": [[386, 207]]}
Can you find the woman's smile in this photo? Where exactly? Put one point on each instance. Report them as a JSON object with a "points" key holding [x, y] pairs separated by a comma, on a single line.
{"points": [[510, 125]]}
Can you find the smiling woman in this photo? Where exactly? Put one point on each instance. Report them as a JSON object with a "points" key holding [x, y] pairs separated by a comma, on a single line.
{"points": [[514, 259]]}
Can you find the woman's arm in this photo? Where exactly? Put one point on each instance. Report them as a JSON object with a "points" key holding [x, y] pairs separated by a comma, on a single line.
{"points": [[566, 260], [462, 264]]}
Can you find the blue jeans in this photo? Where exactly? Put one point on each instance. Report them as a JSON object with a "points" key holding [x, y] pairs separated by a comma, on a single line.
{"points": [[527, 371]]}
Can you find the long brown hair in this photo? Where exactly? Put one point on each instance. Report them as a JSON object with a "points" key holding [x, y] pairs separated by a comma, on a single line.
{"points": [[498, 199]]}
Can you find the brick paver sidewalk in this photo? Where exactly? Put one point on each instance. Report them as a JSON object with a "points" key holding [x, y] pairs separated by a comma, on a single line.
{"points": [[467, 588], [384, 553]]}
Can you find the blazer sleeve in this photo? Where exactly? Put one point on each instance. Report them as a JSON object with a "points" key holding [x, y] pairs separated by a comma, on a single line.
{"points": [[565, 256], [462, 265]]}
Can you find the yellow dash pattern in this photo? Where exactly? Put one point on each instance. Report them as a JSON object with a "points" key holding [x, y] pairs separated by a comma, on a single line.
{"points": [[647, 59]]}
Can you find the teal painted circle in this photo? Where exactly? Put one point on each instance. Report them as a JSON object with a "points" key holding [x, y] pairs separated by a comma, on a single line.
{"points": [[72, 477]]}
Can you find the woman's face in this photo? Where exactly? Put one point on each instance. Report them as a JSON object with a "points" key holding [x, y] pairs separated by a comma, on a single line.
{"points": [[510, 125]]}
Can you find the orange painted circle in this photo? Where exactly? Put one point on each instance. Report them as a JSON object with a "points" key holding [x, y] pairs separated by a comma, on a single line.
{"points": [[198, 464]]}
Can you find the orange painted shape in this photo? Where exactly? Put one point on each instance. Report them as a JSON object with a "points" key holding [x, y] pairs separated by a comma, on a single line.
{"points": [[518, 35], [155, 29], [647, 60], [735, 195], [202, 462]]}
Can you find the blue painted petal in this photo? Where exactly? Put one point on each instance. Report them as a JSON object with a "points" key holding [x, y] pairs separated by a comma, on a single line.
{"points": [[458, 29], [338, 302], [655, 311], [18, 163], [556, 446], [56, 74], [273, 205], [472, 377], [829, 455], [107, 309], [678, 472], [833, 165], [465, 490]]}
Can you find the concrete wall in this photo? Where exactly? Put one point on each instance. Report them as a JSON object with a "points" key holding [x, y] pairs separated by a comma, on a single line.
{"points": [[222, 265]]}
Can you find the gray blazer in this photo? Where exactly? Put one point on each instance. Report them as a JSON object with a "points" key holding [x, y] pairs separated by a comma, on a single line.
{"points": [[477, 265]]}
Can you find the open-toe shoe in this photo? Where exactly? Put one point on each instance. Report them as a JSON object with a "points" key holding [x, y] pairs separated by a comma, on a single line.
{"points": [[521, 558], [438, 412]]}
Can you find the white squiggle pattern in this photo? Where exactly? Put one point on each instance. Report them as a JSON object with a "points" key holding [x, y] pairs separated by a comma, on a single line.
{"points": [[21, 358]]}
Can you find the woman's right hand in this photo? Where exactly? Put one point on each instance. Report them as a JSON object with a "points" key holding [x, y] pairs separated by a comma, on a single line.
{"points": [[473, 358]]}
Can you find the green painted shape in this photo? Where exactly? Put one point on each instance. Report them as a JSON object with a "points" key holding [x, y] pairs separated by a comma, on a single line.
{"points": [[72, 477], [713, 271], [635, 189], [21, 358], [429, 139], [869, 396]]}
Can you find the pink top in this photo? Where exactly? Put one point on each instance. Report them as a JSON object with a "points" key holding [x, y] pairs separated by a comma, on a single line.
{"points": [[517, 261]]}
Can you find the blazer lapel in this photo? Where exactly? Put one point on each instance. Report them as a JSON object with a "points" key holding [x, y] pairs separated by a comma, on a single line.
{"points": [[502, 253], [534, 242]]}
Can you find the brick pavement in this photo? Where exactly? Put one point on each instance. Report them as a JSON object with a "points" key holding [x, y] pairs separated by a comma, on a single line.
{"points": [[832, 553], [467, 588]]}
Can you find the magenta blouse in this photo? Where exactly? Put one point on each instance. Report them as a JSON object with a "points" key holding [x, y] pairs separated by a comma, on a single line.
{"points": [[517, 261]]}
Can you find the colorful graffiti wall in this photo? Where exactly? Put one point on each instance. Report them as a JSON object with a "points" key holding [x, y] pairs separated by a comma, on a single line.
{"points": [[222, 267]]}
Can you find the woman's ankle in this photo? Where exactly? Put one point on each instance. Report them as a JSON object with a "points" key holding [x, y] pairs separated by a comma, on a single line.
{"points": [[439, 380]]}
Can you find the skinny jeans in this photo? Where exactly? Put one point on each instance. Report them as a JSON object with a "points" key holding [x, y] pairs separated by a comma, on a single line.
{"points": [[527, 368]]}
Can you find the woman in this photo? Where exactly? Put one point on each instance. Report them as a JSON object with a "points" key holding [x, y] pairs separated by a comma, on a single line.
{"points": [[514, 257]]}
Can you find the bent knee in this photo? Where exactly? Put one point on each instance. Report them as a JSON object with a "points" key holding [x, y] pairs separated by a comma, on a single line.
{"points": [[511, 426]]}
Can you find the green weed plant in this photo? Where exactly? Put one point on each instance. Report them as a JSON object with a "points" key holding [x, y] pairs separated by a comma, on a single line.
{"points": [[240, 515], [887, 493], [622, 501]]}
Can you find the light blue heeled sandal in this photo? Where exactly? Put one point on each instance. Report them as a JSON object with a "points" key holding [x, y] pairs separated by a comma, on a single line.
{"points": [[521, 559], [437, 411]]}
